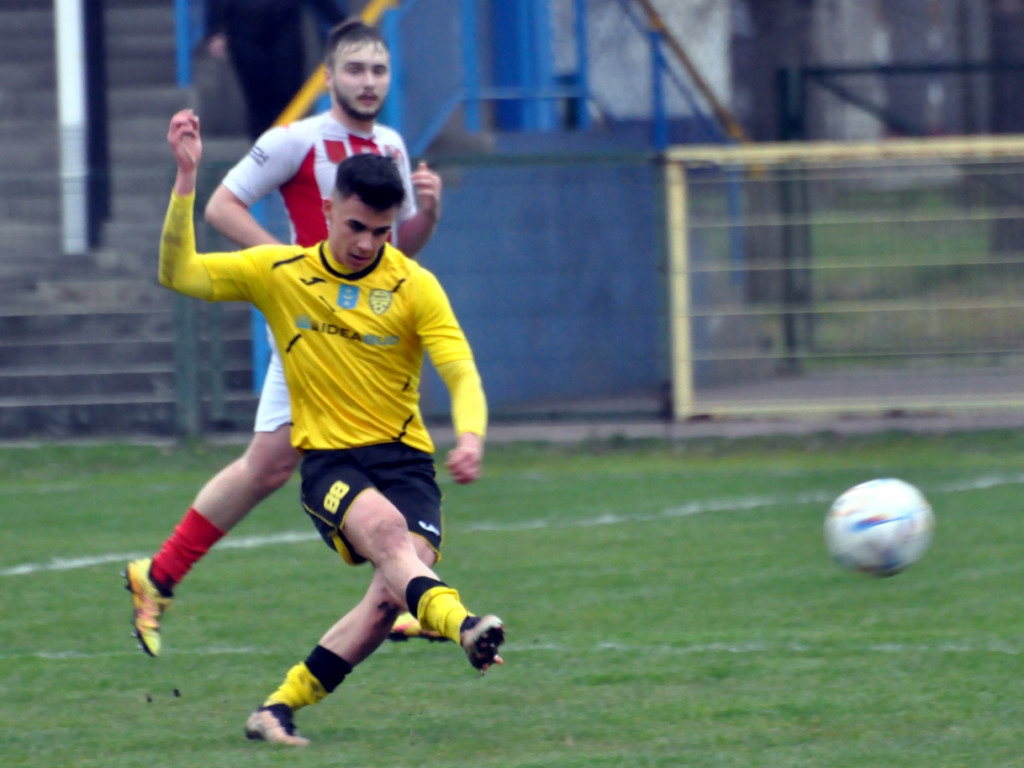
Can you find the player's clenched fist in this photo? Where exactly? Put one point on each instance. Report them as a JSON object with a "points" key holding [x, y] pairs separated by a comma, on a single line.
{"points": [[465, 460], [186, 144], [428, 190]]}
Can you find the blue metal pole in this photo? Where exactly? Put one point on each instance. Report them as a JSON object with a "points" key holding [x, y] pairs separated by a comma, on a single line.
{"points": [[183, 42], [393, 112], [470, 66], [258, 324], [527, 71], [582, 63], [260, 349], [543, 65], [660, 123], [418, 145]]}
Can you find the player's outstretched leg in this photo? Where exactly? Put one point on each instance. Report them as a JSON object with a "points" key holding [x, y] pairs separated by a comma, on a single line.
{"points": [[274, 723], [149, 603], [407, 626], [481, 638], [439, 608]]}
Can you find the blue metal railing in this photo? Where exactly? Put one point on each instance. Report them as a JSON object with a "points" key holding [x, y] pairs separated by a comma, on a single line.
{"points": [[660, 72], [535, 92]]}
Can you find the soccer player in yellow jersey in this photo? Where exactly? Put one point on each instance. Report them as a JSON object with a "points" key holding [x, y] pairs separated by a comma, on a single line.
{"points": [[352, 317], [298, 160]]}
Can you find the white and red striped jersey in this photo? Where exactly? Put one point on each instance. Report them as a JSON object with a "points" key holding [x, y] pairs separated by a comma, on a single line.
{"points": [[300, 159]]}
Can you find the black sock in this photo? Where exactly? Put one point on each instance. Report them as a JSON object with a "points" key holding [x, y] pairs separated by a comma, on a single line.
{"points": [[415, 590], [327, 667], [165, 590]]}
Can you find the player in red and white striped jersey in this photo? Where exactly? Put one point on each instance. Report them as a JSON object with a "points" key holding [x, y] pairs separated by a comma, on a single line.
{"points": [[299, 160]]}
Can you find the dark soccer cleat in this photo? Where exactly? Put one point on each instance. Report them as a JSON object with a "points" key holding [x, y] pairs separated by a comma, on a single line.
{"points": [[149, 604], [482, 636], [274, 724]]}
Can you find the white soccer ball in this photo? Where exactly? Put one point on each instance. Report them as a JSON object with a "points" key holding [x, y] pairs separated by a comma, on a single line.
{"points": [[879, 527]]}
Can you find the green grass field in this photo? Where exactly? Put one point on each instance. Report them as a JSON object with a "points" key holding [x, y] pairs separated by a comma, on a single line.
{"points": [[666, 605]]}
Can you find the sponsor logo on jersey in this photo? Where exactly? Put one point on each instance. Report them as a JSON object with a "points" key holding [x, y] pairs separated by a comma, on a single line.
{"points": [[311, 280], [428, 527], [380, 341], [306, 323], [348, 296], [380, 300]]}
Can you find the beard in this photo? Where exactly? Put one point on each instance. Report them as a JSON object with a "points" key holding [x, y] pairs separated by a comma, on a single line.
{"points": [[354, 112]]}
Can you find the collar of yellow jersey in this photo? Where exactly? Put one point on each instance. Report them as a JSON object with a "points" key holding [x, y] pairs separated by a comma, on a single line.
{"points": [[329, 263]]}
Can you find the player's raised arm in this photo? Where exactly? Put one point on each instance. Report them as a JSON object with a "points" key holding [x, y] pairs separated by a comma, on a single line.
{"points": [[180, 268]]}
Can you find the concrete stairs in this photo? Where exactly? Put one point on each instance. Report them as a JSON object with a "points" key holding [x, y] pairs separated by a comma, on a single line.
{"points": [[29, 192], [87, 343], [96, 356]]}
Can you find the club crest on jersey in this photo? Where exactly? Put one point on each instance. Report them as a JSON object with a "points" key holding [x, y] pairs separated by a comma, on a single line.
{"points": [[380, 300], [348, 296]]}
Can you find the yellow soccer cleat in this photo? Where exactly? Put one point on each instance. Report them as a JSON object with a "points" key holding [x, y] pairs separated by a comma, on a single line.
{"points": [[407, 626], [274, 724], [149, 604]]}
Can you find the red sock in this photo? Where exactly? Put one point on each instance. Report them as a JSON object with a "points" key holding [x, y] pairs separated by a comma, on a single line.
{"points": [[190, 541]]}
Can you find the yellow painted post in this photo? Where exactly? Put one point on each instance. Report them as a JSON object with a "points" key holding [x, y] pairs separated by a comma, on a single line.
{"points": [[679, 292]]}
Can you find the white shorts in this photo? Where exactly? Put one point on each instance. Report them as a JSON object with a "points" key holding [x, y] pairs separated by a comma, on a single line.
{"points": [[275, 409]]}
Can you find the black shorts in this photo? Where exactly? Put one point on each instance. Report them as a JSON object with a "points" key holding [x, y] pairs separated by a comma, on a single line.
{"points": [[331, 481]]}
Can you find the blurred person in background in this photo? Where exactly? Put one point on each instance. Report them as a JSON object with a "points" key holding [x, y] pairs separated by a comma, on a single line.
{"points": [[264, 39]]}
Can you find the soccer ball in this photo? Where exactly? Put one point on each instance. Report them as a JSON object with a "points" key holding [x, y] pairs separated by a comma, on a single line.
{"points": [[879, 527]]}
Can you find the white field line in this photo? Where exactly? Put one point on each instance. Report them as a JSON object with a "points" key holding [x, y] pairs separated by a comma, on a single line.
{"points": [[753, 648], [74, 563], [736, 504]]}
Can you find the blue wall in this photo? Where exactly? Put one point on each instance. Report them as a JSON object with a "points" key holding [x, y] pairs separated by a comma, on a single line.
{"points": [[555, 272]]}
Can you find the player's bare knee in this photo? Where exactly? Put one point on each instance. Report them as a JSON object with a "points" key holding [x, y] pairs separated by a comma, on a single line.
{"points": [[390, 536], [267, 477], [270, 461], [275, 476]]}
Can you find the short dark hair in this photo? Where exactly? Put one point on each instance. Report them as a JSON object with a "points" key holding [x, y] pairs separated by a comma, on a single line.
{"points": [[372, 178], [350, 32]]}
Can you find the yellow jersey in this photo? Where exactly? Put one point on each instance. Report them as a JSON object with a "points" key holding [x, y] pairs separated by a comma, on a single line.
{"points": [[352, 345]]}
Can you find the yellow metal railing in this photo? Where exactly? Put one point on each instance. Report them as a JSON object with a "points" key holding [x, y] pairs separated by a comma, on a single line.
{"points": [[835, 277]]}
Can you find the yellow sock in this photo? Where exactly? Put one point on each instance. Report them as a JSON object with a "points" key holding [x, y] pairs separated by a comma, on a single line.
{"points": [[441, 610], [299, 689]]}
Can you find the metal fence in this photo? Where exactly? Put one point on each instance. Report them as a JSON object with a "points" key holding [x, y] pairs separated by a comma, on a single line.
{"points": [[845, 277]]}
